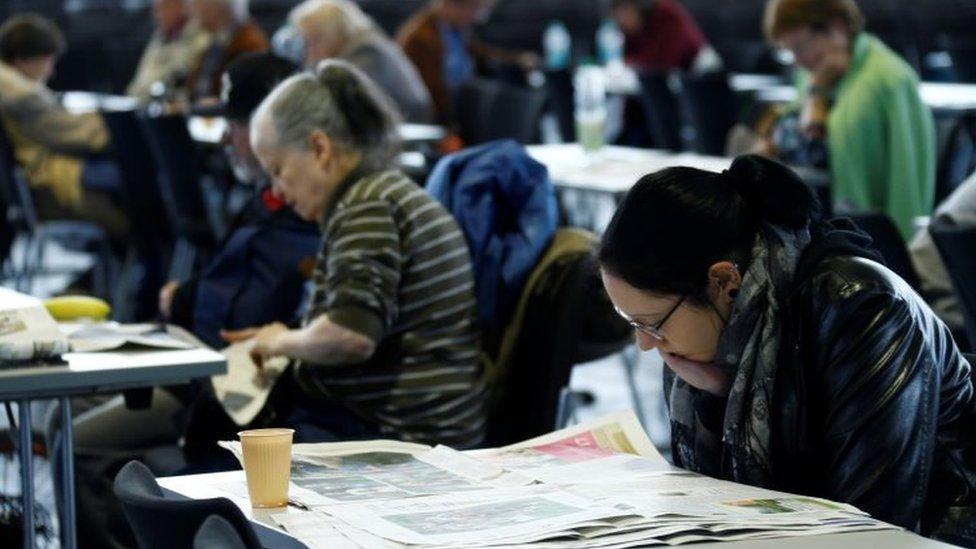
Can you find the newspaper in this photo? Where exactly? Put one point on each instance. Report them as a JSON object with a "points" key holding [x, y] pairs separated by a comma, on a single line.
{"points": [[244, 389], [110, 336], [27, 330], [597, 485]]}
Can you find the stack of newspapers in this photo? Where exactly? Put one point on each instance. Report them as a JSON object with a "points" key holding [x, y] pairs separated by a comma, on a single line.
{"points": [[601, 484]]}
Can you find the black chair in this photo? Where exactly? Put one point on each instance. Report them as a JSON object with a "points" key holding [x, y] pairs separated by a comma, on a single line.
{"points": [[562, 102], [888, 240], [712, 109], [21, 219], [661, 110], [544, 340], [162, 522], [179, 164], [957, 247], [963, 54], [217, 533], [487, 110], [957, 159]]}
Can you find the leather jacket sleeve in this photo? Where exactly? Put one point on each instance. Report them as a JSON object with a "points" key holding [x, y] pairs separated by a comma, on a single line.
{"points": [[875, 390]]}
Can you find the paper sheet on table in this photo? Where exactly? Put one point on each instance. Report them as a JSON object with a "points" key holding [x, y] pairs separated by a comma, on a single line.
{"points": [[27, 330], [110, 336], [244, 389]]}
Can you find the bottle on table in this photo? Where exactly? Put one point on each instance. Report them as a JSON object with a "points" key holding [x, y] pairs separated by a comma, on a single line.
{"points": [[591, 107]]}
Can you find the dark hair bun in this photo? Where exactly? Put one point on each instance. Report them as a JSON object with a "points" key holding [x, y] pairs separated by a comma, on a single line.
{"points": [[774, 193]]}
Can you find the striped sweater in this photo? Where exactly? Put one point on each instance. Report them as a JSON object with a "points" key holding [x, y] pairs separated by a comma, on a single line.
{"points": [[395, 266]]}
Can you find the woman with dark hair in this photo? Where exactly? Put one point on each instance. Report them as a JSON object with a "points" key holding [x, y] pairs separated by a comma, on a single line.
{"points": [[661, 35], [795, 361]]}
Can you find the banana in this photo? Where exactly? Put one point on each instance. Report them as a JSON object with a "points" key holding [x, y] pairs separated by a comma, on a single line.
{"points": [[73, 307]]}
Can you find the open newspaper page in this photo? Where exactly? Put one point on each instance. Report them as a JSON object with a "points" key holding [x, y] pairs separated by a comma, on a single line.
{"points": [[110, 336], [244, 389], [601, 484]]}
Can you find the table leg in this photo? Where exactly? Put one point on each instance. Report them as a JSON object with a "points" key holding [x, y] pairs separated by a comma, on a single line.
{"points": [[26, 472], [68, 523]]}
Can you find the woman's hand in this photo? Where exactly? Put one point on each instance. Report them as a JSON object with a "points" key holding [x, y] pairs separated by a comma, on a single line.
{"points": [[267, 340], [701, 375], [166, 294]]}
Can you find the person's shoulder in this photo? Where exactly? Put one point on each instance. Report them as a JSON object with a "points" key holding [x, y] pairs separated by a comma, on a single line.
{"points": [[386, 186], [885, 71], [418, 27], [842, 284]]}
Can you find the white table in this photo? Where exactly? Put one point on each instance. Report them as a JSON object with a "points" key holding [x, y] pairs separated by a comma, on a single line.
{"points": [[210, 130], [614, 170], [231, 485], [943, 98], [89, 373]]}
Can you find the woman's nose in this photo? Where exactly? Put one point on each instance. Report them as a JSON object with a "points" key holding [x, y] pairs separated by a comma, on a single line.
{"points": [[646, 342]]}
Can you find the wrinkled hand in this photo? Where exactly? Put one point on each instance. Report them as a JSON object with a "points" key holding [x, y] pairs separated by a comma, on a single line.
{"points": [[701, 375], [266, 340], [166, 294], [528, 61], [832, 68]]}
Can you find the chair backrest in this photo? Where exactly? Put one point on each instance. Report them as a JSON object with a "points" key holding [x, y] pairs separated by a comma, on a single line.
{"points": [[661, 111], [562, 102], [217, 533], [179, 165], [542, 341], [712, 109], [142, 195], [957, 159], [487, 110], [10, 212], [162, 522], [886, 239], [957, 246]]}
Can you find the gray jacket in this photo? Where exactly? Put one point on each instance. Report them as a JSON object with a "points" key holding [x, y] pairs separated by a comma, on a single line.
{"points": [[383, 61]]}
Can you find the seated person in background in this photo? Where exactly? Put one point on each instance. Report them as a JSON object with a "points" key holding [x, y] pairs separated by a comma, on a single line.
{"points": [[232, 34], [958, 209], [441, 43], [794, 360], [174, 49], [53, 146], [390, 345], [339, 29], [862, 100], [660, 35], [258, 272]]}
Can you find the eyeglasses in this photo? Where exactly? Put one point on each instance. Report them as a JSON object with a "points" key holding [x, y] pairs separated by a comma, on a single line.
{"points": [[653, 330]]}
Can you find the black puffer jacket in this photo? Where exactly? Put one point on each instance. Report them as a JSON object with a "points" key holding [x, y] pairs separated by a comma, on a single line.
{"points": [[874, 402]]}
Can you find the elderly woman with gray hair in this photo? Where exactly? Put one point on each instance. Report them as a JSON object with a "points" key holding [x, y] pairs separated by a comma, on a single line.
{"points": [[389, 346], [339, 29]]}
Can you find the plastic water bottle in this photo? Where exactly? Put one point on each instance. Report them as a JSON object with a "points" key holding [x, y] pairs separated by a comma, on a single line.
{"points": [[591, 107], [610, 43], [557, 44]]}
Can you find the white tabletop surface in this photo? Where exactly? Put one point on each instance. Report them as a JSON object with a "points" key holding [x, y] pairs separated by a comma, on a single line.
{"points": [[210, 130], [110, 371], [613, 169], [232, 486]]}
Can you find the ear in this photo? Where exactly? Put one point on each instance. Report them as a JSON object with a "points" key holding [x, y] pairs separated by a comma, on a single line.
{"points": [[321, 147], [723, 278]]}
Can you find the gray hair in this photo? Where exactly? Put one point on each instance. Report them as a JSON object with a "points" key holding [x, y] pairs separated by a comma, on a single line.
{"points": [[341, 102], [340, 18]]}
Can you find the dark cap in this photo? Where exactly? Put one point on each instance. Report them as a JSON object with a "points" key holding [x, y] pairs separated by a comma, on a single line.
{"points": [[247, 81]]}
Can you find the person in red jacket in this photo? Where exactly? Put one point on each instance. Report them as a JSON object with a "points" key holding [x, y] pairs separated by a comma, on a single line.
{"points": [[660, 35]]}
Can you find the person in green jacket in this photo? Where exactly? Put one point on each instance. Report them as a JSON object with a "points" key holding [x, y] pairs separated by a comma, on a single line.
{"points": [[862, 100]]}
